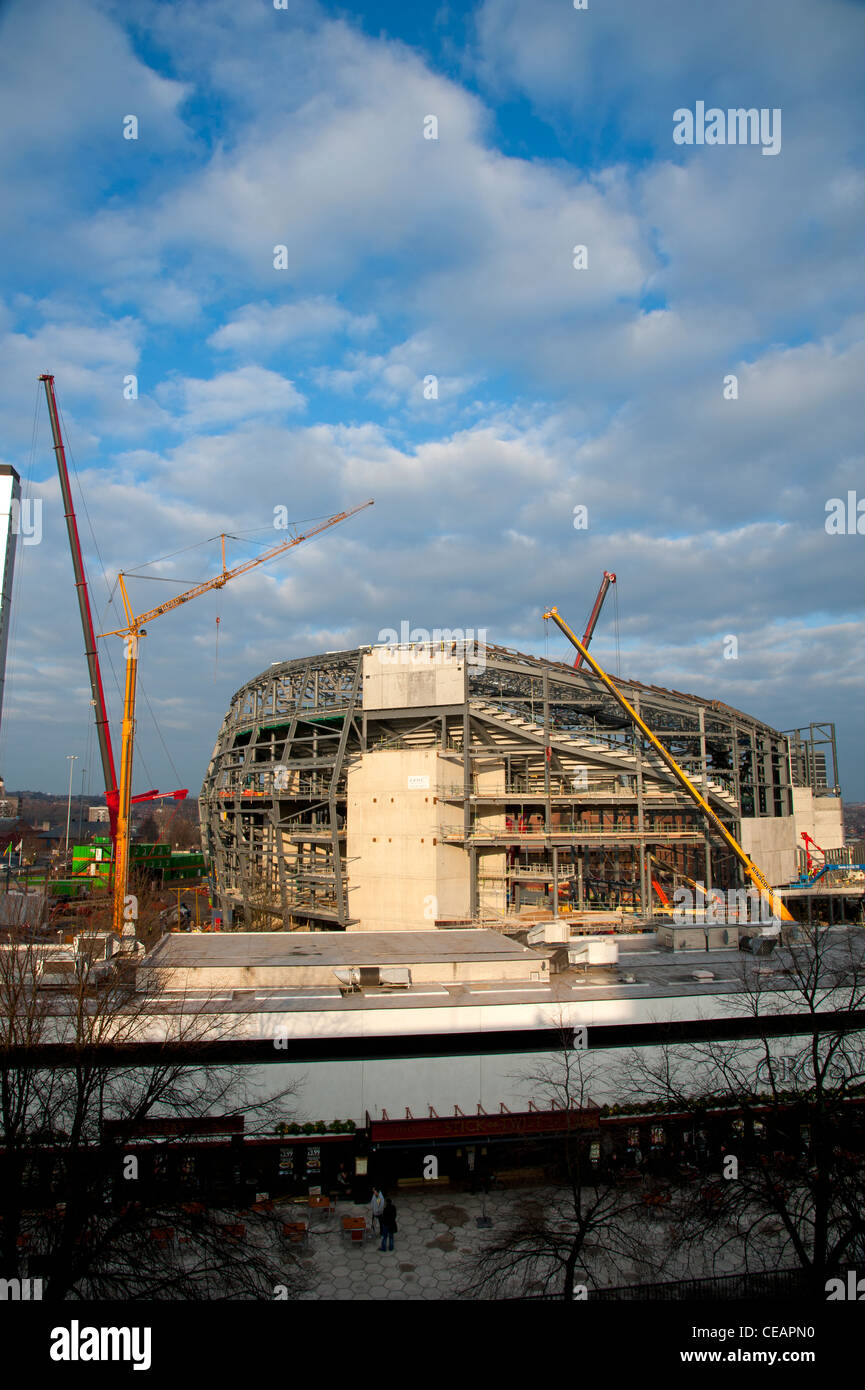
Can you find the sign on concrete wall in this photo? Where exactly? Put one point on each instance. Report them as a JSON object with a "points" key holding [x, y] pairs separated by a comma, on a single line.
{"points": [[418, 783]]}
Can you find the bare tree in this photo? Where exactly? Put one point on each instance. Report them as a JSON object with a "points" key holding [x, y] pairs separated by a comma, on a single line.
{"points": [[790, 1188], [148, 830], [74, 1099], [590, 1224], [185, 835]]}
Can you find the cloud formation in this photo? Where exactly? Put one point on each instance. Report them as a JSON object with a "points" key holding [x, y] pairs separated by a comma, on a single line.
{"points": [[434, 342]]}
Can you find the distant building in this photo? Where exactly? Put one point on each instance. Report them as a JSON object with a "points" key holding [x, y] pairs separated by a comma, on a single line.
{"points": [[50, 837], [9, 805]]}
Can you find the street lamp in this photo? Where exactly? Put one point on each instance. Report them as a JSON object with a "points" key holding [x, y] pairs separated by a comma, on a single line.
{"points": [[72, 759]]}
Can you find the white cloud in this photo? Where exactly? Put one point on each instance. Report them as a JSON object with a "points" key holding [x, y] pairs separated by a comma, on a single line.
{"points": [[249, 392], [410, 257], [263, 327]]}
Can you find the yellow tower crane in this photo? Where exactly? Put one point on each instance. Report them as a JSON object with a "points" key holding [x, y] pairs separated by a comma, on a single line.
{"points": [[777, 907], [121, 911]]}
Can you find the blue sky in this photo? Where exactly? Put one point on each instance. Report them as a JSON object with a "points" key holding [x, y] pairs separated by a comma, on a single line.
{"points": [[453, 257]]}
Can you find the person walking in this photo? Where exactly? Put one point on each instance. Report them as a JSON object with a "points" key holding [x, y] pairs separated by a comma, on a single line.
{"points": [[376, 1206], [388, 1225], [343, 1183]]}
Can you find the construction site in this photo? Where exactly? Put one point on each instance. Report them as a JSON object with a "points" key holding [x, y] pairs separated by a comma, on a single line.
{"points": [[430, 871], [449, 783], [411, 786]]}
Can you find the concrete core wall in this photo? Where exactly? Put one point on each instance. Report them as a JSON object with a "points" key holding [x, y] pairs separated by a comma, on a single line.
{"points": [[400, 875], [821, 816], [771, 843], [405, 677], [488, 779]]}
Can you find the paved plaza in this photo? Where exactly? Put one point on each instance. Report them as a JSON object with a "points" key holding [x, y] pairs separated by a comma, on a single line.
{"points": [[436, 1230]]}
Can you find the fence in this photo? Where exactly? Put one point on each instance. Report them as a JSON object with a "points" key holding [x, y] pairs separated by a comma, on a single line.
{"points": [[775, 1284]]}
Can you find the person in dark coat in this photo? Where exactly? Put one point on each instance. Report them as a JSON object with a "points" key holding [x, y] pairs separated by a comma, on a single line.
{"points": [[388, 1225]]}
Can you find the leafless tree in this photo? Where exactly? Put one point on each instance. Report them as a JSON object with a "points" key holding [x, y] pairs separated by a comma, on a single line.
{"points": [[74, 1098], [589, 1228], [796, 1196]]}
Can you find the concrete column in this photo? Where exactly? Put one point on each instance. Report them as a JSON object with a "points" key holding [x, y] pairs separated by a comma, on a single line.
{"points": [[467, 763], [703, 760], [547, 809], [646, 900]]}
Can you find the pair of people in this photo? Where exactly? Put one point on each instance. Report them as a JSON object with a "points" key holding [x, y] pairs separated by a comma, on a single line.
{"points": [[384, 1211]]}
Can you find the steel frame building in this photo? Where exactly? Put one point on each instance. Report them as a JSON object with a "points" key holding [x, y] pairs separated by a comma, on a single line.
{"points": [[582, 806]]}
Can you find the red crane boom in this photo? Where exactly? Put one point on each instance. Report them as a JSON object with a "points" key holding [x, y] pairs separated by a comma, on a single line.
{"points": [[607, 580], [103, 732], [103, 729]]}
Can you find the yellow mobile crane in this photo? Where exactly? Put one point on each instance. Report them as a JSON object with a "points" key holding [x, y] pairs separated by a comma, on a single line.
{"points": [[135, 628], [776, 905]]}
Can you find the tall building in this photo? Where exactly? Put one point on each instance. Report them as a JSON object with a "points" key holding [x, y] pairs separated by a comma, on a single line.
{"points": [[10, 504]]}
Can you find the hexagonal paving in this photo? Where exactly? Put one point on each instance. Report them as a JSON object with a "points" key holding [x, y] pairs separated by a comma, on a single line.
{"points": [[429, 1261]]}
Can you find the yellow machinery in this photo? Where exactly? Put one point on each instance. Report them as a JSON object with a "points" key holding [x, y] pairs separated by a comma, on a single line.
{"points": [[777, 907], [131, 634], [684, 877]]}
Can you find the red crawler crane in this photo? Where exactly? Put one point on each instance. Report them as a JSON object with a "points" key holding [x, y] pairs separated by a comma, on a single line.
{"points": [[103, 730], [607, 580]]}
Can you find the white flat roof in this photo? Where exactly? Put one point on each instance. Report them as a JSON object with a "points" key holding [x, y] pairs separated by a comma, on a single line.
{"points": [[220, 950]]}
